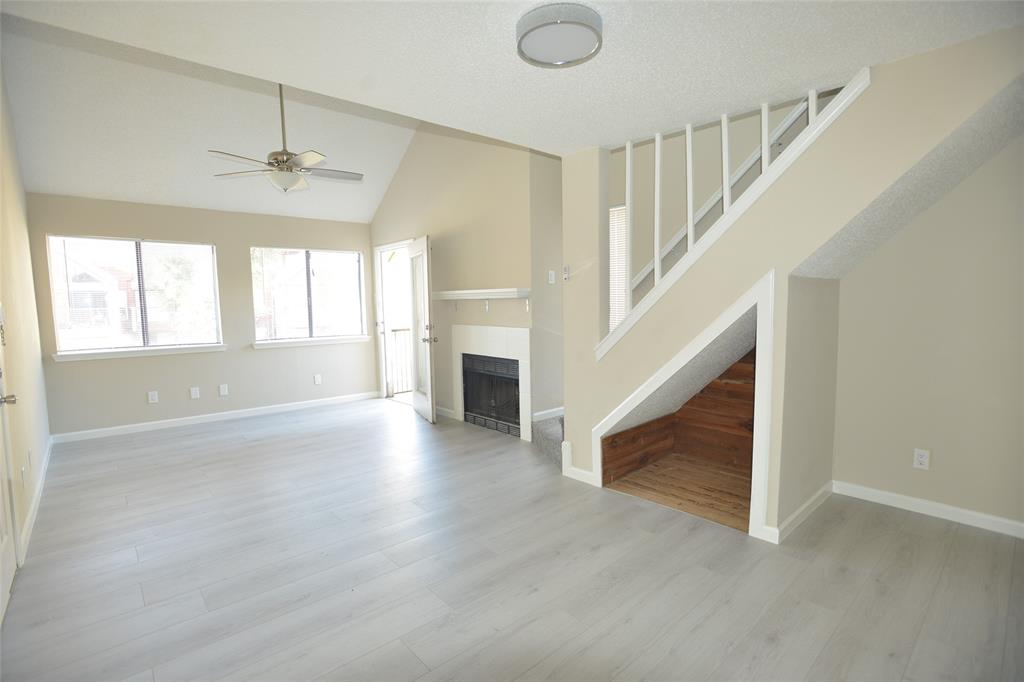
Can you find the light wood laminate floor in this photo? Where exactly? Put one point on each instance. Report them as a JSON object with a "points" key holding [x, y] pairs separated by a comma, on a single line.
{"points": [[357, 542]]}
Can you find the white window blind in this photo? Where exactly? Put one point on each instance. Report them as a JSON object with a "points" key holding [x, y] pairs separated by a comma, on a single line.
{"points": [[618, 270]]}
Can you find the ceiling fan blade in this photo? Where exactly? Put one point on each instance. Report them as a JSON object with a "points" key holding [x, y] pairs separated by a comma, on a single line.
{"points": [[228, 156], [307, 159], [331, 174], [244, 174]]}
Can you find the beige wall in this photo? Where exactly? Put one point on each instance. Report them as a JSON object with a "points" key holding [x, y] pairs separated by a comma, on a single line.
{"points": [[810, 391], [931, 350], [545, 298], [910, 107], [474, 198], [88, 394], [20, 357], [744, 140]]}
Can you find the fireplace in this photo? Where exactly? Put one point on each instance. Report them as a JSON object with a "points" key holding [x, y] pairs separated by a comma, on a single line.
{"points": [[490, 392]]}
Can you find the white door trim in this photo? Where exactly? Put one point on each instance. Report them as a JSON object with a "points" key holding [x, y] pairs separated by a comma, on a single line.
{"points": [[760, 297]]}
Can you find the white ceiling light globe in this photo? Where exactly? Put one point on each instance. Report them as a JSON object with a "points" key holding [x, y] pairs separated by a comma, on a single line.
{"points": [[559, 35]]}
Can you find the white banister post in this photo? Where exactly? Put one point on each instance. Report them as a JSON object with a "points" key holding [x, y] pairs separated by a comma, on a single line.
{"points": [[726, 180], [766, 143], [629, 227], [657, 207], [691, 229], [812, 106]]}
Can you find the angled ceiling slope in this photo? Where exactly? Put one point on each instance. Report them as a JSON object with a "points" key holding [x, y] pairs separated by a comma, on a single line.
{"points": [[663, 64], [99, 119]]}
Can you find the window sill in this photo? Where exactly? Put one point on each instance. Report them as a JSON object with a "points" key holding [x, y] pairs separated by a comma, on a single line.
{"points": [[70, 356], [321, 341]]}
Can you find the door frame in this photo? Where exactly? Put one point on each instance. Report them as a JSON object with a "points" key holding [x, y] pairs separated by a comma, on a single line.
{"points": [[378, 302]]}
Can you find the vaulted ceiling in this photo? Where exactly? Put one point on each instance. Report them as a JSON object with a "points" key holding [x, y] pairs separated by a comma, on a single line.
{"points": [[663, 64], [120, 100], [96, 119]]}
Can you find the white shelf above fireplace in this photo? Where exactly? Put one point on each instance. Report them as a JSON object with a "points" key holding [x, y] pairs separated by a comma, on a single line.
{"points": [[480, 294]]}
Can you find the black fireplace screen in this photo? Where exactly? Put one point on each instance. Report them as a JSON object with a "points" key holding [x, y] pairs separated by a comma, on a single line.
{"points": [[490, 392]]}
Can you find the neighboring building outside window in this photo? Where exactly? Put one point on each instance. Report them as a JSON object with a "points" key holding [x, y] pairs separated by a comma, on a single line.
{"points": [[118, 294]]}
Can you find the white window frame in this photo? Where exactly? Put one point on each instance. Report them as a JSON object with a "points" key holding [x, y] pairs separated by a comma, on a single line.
{"points": [[314, 340], [133, 351]]}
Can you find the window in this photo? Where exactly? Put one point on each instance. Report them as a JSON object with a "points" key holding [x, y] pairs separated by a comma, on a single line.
{"points": [[304, 294], [122, 294], [618, 269]]}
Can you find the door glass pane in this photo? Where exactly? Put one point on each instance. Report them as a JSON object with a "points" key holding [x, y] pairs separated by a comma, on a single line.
{"points": [[181, 293], [95, 288], [418, 323], [279, 293], [336, 288]]}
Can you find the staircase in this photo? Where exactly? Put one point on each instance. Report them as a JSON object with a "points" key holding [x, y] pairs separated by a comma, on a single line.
{"points": [[834, 191]]}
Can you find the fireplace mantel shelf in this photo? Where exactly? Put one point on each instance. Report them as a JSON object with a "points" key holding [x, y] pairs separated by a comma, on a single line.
{"points": [[480, 294]]}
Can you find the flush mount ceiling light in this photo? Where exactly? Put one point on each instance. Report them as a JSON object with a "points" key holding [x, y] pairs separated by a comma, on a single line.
{"points": [[559, 35]]}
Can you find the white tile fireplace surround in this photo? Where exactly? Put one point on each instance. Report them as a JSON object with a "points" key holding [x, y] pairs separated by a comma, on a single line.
{"points": [[500, 342]]}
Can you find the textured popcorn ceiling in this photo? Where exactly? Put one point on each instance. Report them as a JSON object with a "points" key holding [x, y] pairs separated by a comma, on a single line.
{"points": [[718, 356], [942, 169], [663, 64]]}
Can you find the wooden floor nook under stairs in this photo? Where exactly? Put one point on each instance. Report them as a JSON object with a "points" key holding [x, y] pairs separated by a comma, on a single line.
{"points": [[357, 542], [697, 459]]}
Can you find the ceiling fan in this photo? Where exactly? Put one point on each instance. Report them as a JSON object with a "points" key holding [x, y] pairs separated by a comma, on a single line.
{"points": [[286, 170]]}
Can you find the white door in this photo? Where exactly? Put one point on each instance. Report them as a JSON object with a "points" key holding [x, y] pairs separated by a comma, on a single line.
{"points": [[8, 539], [423, 330]]}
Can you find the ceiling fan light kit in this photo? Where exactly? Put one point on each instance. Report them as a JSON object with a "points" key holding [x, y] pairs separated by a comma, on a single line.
{"points": [[559, 35], [286, 170]]}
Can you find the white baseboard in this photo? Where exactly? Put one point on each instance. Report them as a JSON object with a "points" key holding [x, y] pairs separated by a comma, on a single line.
{"points": [[445, 411], [967, 517], [33, 508], [766, 533], [140, 427], [549, 414], [805, 510], [568, 470]]}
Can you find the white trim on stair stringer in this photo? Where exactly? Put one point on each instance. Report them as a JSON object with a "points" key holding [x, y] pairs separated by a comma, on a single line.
{"points": [[800, 144], [140, 427], [761, 298], [968, 517], [33, 508], [737, 175]]}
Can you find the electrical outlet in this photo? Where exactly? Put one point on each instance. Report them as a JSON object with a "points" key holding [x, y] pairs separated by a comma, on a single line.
{"points": [[193, 393], [922, 458], [222, 390], [551, 276], [318, 379], [153, 397]]}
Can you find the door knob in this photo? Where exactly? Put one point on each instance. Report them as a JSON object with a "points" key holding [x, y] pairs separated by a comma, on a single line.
{"points": [[8, 399]]}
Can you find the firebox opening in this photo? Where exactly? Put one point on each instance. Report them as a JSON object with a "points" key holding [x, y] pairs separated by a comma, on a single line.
{"points": [[490, 392]]}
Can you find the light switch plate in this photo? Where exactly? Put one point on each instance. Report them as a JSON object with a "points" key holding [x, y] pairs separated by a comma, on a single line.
{"points": [[153, 397], [551, 276], [922, 458], [318, 379]]}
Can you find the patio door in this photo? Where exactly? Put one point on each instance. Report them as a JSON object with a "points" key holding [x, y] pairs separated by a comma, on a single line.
{"points": [[423, 330]]}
